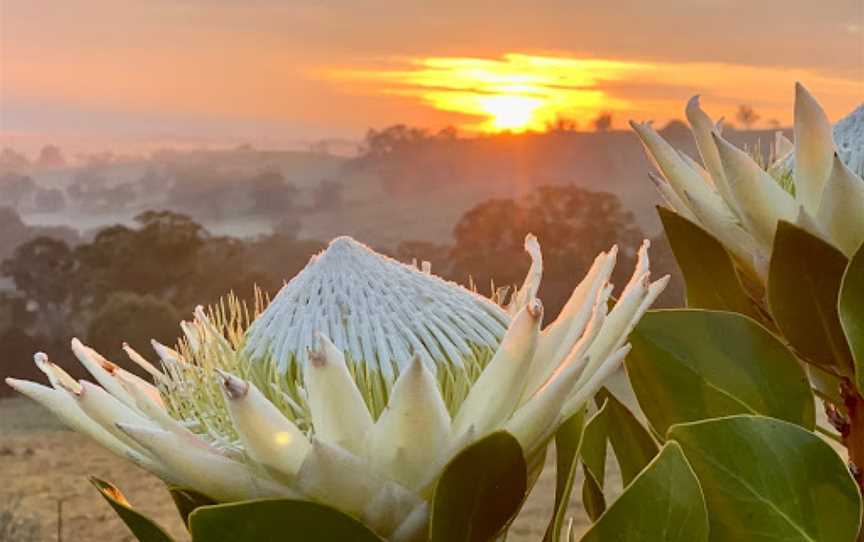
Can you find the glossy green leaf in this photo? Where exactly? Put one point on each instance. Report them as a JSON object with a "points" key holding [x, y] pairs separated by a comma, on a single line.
{"points": [[709, 273], [144, 528], [851, 309], [187, 500], [276, 520], [568, 440], [803, 290], [593, 500], [664, 502], [593, 455], [690, 364], [594, 443], [479, 492], [768, 480], [633, 445]]}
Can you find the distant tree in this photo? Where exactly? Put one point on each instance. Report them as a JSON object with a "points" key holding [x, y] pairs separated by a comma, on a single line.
{"points": [[562, 124], [602, 122], [135, 319], [10, 159], [49, 200], [16, 190], [747, 116], [572, 224], [51, 156], [86, 183], [379, 143], [271, 194], [17, 361], [205, 190], [328, 195], [288, 226], [45, 271], [159, 257], [448, 133], [425, 251], [675, 130], [774, 123], [14, 232]]}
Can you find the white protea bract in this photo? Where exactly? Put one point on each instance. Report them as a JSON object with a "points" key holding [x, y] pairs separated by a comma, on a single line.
{"points": [[817, 182], [230, 419]]}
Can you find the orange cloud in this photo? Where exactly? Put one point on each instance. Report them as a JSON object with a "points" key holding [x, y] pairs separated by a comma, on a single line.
{"points": [[528, 92]]}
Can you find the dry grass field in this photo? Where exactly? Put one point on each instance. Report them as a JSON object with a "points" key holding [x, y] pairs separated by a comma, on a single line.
{"points": [[42, 464]]}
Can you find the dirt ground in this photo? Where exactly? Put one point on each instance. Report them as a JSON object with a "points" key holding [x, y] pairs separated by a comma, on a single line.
{"points": [[42, 464]]}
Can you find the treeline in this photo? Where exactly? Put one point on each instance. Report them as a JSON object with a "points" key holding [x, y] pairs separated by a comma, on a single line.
{"points": [[134, 283]]}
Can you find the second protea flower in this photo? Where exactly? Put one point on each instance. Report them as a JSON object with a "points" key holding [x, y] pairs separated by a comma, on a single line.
{"points": [[815, 183], [356, 385]]}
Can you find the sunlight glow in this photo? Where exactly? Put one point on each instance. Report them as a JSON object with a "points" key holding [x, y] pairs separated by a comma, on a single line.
{"points": [[516, 92], [510, 112]]}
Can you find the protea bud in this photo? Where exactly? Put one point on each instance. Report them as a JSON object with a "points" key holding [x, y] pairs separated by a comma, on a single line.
{"points": [[816, 183]]}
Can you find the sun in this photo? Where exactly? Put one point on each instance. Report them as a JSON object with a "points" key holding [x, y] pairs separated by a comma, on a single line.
{"points": [[512, 93], [507, 112]]}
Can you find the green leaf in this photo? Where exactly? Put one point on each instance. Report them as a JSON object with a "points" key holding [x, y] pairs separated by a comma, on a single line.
{"points": [[276, 520], [664, 502], [480, 490], [709, 272], [187, 500], [633, 445], [593, 499], [568, 440], [144, 528], [766, 479], [803, 290], [593, 454], [593, 449], [690, 364], [851, 309]]}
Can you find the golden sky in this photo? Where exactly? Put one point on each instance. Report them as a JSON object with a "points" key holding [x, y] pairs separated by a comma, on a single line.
{"points": [[291, 71]]}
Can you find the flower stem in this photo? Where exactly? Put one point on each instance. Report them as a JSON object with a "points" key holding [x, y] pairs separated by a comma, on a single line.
{"points": [[851, 429]]}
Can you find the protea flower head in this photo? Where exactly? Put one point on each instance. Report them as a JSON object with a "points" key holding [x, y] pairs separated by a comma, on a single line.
{"points": [[815, 183], [355, 386]]}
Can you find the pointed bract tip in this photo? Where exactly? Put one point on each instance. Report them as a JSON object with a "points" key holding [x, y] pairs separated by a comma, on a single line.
{"points": [[317, 358], [13, 383], [40, 359], [235, 388], [535, 308]]}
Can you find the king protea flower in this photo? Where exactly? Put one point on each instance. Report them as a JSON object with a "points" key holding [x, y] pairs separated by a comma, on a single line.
{"points": [[356, 386], [815, 182]]}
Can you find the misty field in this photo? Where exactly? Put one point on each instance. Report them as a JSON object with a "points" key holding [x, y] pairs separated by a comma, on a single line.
{"points": [[43, 463]]}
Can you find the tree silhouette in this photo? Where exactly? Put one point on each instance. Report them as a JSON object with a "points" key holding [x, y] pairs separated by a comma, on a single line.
{"points": [[602, 122], [747, 116], [572, 224], [51, 156]]}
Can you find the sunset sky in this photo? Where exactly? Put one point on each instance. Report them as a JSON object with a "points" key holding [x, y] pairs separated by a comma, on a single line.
{"points": [[283, 72]]}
